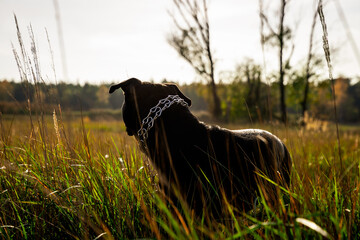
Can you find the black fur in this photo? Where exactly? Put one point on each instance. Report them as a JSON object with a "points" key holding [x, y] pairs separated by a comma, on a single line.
{"points": [[206, 164]]}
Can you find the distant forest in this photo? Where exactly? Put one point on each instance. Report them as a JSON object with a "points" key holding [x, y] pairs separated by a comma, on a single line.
{"points": [[241, 99]]}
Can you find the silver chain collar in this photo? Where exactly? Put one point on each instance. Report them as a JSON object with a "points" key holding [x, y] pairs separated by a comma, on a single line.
{"points": [[155, 112]]}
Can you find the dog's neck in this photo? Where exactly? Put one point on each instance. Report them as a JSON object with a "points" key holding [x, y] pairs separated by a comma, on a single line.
{"points": [[148, 122]]}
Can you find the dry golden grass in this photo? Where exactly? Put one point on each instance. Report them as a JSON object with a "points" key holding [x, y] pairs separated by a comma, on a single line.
{"points": [[74, 178]]}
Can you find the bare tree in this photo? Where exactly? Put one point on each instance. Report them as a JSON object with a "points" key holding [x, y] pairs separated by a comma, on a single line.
{"points": [[308, 72], [281, 34], [262, 42], [192, 42]]}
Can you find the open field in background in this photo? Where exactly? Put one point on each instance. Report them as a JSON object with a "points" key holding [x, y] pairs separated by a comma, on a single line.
{"points": [[69, 177]]}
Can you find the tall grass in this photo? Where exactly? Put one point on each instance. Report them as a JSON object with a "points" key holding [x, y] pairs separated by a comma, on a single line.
{"points": [[78, 179], [106, 187]]}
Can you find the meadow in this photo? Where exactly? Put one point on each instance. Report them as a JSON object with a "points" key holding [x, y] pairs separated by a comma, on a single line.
{"points": [[68, 177], [65, 176]]}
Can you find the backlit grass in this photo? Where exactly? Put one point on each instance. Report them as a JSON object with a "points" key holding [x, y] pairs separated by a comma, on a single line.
{"points": [[82, 179]]}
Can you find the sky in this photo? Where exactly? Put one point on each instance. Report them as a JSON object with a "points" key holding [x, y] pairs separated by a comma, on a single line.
{"points": [[112, 40]]}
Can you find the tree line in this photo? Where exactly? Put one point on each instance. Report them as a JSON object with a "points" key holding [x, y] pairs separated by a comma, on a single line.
{"points": [[244, 97]]}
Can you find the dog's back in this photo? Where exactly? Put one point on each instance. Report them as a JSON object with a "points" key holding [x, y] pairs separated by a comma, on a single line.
{"points": [[240, 162]]}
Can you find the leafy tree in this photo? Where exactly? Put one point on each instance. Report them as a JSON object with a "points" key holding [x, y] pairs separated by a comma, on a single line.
{"points": [[195, 91], [347, 111], [102, 95], [354, 92], [6, 91]]}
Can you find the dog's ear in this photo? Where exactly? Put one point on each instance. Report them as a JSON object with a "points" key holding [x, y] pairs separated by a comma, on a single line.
{"points": [[178, 92], [125, 85]]}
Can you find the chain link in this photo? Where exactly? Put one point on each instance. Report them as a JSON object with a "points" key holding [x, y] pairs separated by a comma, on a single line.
{"points": [[155, 112]]}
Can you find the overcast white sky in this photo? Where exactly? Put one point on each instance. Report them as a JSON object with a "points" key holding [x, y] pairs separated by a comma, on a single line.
{"points": [[112, 40]]}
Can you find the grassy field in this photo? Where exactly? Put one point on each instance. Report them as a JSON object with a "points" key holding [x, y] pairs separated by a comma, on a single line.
{"points": [[66, 177]]}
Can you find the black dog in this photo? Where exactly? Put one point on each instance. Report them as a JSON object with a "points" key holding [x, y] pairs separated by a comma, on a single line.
{"points": [[202, 164]]}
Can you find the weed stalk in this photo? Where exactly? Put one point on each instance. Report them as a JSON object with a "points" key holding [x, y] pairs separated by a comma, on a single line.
{"points": [[330, 68]]}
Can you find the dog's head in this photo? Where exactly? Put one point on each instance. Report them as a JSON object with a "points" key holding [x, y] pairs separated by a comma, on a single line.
{"points": [[140, 97]]}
